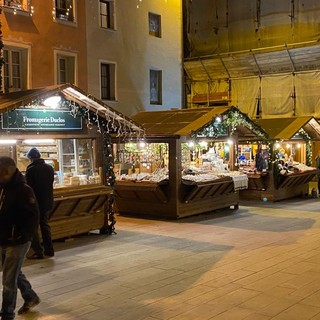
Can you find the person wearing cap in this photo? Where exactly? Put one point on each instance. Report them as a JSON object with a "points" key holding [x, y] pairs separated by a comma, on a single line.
{"points": [[40, 176]]}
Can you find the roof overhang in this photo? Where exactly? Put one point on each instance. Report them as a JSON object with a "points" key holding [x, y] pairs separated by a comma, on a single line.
{"points": [[14, 100], [287, 128], [190, 122]]}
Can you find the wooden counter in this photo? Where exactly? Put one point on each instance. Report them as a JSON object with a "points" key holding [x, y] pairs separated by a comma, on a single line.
{"points": [[78, 210], [277, 188], [153, 199]]}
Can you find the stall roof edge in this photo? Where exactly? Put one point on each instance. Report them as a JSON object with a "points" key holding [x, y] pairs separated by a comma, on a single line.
{"points": [[12, 100], [286, 128], [181, 122]]}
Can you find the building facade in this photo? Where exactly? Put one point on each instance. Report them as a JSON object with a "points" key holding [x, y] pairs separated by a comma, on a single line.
{"points": [[128, 53], [44, 43], [134, 52], [262, 56]]}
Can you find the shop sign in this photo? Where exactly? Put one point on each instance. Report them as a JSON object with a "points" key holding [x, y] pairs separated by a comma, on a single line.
{"points": [[35, 119]]}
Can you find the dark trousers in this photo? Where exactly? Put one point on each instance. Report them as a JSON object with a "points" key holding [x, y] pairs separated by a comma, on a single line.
{"points": [[12, 258], [46, 236]]}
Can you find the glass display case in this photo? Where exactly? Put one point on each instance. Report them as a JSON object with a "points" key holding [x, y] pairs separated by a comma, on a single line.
{"points": [[72, 159]]}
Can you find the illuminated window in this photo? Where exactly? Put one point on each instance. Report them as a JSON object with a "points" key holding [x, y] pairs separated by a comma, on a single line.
{"points": [[108, 81], [155, 87], [154, 25], [23, 5], [107, 14], [15, 68], [64, 10]]}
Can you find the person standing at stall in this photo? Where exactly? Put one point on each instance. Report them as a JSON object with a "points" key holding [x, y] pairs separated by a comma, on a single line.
{"points": [[259, 160], [19, 217], [40, 176]]}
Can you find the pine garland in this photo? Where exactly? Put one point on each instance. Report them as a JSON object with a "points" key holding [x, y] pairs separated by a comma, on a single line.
{"points": [[232, 118], [1, 55], [304, 135]]}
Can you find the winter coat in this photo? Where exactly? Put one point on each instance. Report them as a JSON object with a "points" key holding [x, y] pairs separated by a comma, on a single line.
{"points": [[19, 213], [40, 176]]}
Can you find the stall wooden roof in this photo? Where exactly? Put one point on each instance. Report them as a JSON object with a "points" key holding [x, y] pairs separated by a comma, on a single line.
{"points": [[13, 100], [286, 128], [176, 122], [184, 122]]}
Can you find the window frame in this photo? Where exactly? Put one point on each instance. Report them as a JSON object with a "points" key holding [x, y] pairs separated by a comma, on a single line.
{"points": [[152, 17], [24, 67], [57, 6], [110, 16], [58, 54], [112, 95], [158, 86]]}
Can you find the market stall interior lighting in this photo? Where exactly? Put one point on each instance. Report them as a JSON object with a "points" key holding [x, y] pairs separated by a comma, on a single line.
{"points": [[277, 145], [52, 102], [203, 144], [190, 144], [38, 141], [8, 141]]}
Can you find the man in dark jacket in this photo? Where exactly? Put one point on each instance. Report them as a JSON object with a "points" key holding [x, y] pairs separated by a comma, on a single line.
{"points": [[40, 176], [19, 217]]}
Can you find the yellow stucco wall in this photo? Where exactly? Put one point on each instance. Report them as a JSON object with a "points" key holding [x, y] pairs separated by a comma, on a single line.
{"points": [[43, 35]]}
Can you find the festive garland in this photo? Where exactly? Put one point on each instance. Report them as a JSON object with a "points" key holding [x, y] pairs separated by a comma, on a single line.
{"points": [[304, 135], [232, 118], [1, 55], [103, 127]]}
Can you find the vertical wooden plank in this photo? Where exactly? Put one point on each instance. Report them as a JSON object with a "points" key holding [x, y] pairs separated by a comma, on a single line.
{"points": [[174, 175]]}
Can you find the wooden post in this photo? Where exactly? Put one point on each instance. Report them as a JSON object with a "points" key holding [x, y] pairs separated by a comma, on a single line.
{"points": [[174, 175]]}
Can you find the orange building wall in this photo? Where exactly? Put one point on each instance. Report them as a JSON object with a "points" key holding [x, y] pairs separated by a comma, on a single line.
{"points": [[44, 35]]}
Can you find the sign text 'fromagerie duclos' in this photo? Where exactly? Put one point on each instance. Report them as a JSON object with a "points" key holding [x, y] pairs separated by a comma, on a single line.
{"points": [[33, 119]]}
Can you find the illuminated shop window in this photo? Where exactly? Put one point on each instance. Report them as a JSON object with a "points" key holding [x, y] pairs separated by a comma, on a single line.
{"points": [[154, 25], [64, 10], [155, 87], [14, 69], [108, 81], [107, 12]]}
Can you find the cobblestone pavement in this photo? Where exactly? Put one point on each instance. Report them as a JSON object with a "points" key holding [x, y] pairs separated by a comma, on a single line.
{"points": [[257, 263]]}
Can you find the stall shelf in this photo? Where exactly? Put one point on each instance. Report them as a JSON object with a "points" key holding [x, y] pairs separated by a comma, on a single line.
{"points": [[177, 197], [74, 136], [296, 134]]}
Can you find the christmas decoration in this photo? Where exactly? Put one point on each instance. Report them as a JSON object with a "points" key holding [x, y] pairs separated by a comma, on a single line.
{"points": [[226, 125]]}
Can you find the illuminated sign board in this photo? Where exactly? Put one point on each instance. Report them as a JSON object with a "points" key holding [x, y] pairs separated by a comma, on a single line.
{"points": [[40, 120]]}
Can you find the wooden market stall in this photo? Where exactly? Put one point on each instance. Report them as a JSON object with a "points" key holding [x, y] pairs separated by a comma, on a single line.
{"points": [[72, 130], [162, 184], [289, 173]]}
